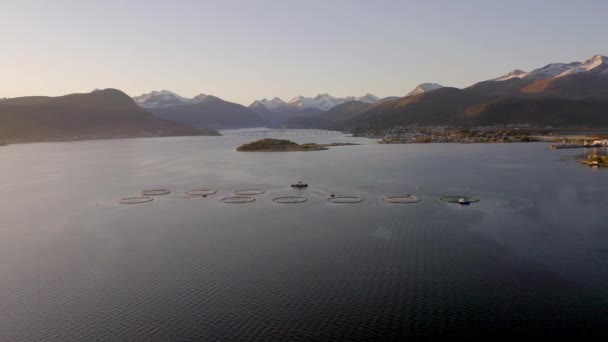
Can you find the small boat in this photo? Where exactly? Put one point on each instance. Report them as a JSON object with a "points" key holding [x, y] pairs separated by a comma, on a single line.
{"points": [[299, 184], [463, 201]]}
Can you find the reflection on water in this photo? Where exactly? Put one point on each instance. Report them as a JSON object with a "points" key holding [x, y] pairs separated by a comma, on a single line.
{"points": [[75, 265]]}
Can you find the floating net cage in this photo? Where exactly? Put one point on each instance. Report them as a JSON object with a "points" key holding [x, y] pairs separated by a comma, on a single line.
{"points": [[135, 200], [201, 192], [345, 199], [238, 200], [290, 200], [456, 199], [402, 199], [155, 192], [249, 192]]}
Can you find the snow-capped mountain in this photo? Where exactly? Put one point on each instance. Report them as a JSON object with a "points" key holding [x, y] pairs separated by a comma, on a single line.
{"points": [[367, 98], [159, 99], [274, 104], [551, 70], [513, 74], [424, 87], [597, 64], [322, 102], [166, 98]]}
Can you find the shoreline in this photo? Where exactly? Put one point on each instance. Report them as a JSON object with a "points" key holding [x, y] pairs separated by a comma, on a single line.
{"points": [[45, 141]]}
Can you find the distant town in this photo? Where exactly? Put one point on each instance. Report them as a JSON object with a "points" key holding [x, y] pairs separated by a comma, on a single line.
{"points": [[415, 134]]}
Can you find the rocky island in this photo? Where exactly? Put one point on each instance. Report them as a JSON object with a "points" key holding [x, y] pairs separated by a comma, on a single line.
{"points": [[283, 145]]}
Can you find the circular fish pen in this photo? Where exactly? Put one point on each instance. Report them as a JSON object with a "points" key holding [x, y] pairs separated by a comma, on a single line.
{"points": [[345, 199], [402, 199], [249, 192], [290, 200], [135, 200], [460, 199], [238, 200], [201, 192], [155, 192]]}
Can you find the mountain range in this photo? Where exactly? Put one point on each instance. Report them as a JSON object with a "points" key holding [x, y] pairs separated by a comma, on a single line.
{"points": [[212, 112], [165, 98], [277, 112], [559, 94]]}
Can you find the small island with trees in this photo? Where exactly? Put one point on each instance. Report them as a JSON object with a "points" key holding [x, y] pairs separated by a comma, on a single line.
{"points": [[283, 145]]}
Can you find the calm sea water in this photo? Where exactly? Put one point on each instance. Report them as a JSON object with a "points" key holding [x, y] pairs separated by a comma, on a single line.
{"points": [[530, 258]]}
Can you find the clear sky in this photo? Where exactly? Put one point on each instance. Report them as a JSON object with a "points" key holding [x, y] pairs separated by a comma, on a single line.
{"points": [[246, 50]]}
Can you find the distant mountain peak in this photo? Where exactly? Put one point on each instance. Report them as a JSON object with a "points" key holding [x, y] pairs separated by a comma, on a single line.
{"points": [[368, 98], [274, 104], [323, 101], [198, 98], [159, 99], [424, 88], [551, 70], [512, 74], [596, 64]]}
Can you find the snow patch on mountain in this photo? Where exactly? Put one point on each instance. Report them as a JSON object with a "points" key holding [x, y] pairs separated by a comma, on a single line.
{"points": [[551, 70], [321, 101], [596, 64], [513, 74], [158, 99], [368, 98], [274, 104], [424, 88]]}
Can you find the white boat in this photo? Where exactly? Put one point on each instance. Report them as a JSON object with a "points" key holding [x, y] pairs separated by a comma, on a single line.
{"points": [[463, 201]]}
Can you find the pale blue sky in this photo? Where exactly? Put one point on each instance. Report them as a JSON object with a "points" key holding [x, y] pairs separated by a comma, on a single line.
{"points": [[246, 50]]}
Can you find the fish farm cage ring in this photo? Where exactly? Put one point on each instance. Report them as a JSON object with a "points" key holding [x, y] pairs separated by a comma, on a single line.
{"points": [[345, 199], [456, 199], [135, 200], [402, 199], [290, 200], [156, 192], [238, 200], [249, 192], [201, 192]]}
